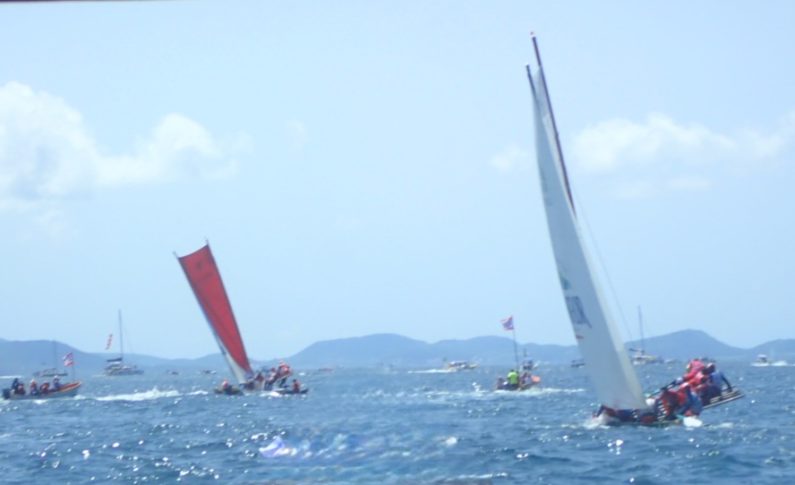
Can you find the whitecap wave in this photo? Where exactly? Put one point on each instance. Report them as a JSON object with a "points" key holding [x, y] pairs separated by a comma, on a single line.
{"points": [[433, 371], [277, 448], [535, 392], [149, 395]]}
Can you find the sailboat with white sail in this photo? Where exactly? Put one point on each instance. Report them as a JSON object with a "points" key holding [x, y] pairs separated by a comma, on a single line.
{"points": [[53, 371], [640, 356], [116, 365], [610, 369], [208, 287]]}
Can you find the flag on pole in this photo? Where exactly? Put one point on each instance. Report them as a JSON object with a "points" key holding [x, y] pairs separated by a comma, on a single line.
{"points": [[68, 360], [110, 339], [507, 324]]}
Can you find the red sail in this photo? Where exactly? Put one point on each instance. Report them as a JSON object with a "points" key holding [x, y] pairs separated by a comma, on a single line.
{"points": [[205, 280]]}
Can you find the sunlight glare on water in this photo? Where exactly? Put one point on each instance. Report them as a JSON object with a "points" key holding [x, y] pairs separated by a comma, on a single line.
{"points": [[371, 426]]}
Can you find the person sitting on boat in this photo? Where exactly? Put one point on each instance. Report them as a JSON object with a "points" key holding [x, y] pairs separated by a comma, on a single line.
{"points": [[296, 386], [15, 385], [714, 383], [56, 384], [259, 380], [283, 372], [689, 402], [693, 369], [33, 388], [226, 387], [44, 388], [20, 390], [272, 375], [667, 403], [513, 379]]}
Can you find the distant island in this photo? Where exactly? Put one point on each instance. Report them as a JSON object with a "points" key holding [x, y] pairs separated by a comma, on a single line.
{"points": [[26, 357]]}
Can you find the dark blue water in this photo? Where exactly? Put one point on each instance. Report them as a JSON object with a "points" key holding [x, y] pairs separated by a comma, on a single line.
{"points": [[392, 426]]}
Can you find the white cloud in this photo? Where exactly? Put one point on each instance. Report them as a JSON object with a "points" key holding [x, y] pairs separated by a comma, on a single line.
{"points": [[47, 153], [511, 158], [661, 155], [618, 143]]}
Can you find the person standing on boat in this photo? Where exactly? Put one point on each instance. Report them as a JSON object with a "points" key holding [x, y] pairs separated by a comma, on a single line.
{"points": [[513, 379]]}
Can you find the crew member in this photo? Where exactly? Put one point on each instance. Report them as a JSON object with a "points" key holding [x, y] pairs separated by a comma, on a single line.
{"points": [[513, 379]]}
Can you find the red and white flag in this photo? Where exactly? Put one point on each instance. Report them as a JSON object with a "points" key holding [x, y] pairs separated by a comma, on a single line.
{"points": [[507, 324], [68, 360], [110, 340]]}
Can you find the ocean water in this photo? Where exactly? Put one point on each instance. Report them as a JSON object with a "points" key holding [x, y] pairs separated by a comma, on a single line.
{"points": [[392, 426]]}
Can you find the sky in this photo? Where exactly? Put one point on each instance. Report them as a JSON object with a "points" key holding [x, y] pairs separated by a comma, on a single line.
{"points": [[368, 167]]}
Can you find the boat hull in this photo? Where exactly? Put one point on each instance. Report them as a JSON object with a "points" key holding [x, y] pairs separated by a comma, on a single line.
{"points": [[124, 372], [236, 391], [534, 381], [290, 392], [67, 390], [724, 398]]}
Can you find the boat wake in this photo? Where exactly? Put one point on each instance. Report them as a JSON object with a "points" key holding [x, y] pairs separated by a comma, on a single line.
{"points": [[433, 371], [692, 422], [149, 395], [538, 392], [490, 394], [600, 422], [270, 394]]}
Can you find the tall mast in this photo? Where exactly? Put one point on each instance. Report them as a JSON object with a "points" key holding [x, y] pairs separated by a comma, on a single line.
{"points": [[642, 341], [121, 338], [516, 350], [554, 123]]}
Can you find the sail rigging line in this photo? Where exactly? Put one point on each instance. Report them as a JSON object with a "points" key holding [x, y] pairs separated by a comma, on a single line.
{"points": [[603, 266]]}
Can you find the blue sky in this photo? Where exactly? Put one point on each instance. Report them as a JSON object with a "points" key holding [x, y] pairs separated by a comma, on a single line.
{"points": [[366, 167]]}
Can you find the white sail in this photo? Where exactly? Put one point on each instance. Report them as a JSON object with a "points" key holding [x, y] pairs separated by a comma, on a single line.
{"points": [[606, 360]]}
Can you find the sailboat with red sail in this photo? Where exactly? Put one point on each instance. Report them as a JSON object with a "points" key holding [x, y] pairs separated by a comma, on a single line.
{"points": [[208, 287]]}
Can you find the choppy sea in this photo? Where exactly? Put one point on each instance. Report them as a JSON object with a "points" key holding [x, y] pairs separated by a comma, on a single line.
{"points": [[392, 426]]}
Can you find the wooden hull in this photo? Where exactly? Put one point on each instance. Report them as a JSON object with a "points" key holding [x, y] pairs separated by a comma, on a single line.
{"points": [[724, 398]]}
